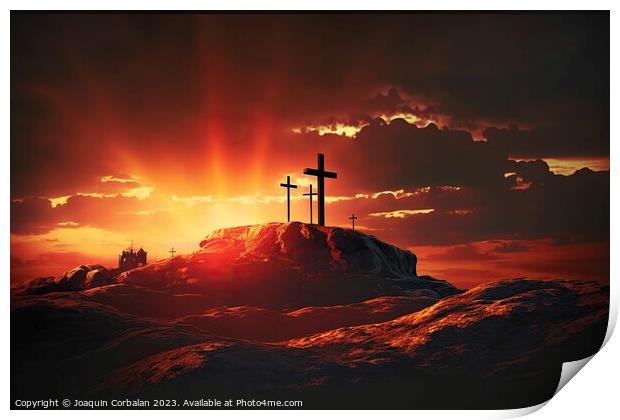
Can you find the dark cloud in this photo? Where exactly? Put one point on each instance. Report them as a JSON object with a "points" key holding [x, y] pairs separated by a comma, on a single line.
{"points": [[412, 156], [568, 208], [388, 102], [530, 171], [90, 88], [570, 138]]}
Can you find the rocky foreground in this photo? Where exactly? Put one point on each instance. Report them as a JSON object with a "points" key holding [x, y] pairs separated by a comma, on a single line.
{"points": [[335, 318]]}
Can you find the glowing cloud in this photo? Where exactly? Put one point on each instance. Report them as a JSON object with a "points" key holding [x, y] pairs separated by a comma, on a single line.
{"points": [[401, 214], [110, 178], [57, 201], [568, 166], [140, 192], [341, 129]]}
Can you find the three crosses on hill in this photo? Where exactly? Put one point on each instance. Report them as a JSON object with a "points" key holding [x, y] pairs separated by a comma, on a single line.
{"points": [[320, 173]]}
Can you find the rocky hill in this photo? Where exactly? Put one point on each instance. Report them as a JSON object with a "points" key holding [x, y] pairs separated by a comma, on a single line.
{"points": [[276, 265], [332, 317]]}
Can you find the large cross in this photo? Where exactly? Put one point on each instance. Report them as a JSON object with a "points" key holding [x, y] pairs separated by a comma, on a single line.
{"points": [[172, 251], [320, 174], [310, 194], [352, 219], [288, 187]]}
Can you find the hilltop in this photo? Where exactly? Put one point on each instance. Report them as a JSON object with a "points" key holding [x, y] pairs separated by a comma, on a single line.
{"points": [[275, 265]]}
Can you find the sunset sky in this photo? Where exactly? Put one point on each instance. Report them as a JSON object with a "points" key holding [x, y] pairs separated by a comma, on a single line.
{"points": [[480, 142]]}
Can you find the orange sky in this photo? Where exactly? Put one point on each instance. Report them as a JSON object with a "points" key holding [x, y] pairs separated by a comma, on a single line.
{"points": [[159, 129], [153, 215]]}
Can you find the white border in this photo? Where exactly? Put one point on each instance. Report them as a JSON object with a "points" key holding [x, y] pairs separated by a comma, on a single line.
{"points": [[594, 393]]}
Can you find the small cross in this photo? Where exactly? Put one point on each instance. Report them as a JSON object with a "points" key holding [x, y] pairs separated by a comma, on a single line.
{"points": [[288, 187], [310, 194], [172, 251], [352, 219]]}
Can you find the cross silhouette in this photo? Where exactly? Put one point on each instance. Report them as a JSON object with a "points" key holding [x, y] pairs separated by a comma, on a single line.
{"points": [[310, 194], [288, 187], [320, 174], [172, 251], [352, 219]]}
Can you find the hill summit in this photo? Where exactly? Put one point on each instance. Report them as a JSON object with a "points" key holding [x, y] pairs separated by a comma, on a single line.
{"points": [[291, 265], [274, 265], [314, 247]]}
